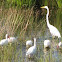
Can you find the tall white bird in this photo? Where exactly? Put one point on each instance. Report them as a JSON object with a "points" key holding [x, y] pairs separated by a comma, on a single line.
{"points": [[53, 30], [47, 44], [32, 50], [28, 44], [4, 41]]}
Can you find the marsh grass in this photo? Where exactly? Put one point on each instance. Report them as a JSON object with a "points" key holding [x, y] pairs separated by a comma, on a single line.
{"points": [[21, 24], [18, 23]]}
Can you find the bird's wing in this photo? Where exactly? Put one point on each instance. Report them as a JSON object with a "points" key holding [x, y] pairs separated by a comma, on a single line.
{"points": [[54, 31], [30, 50], [4, 41]]}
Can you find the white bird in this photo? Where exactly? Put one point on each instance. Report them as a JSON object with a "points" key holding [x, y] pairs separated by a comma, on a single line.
{"points": [[47, 44], [28, 43], [32, 50], [53, 30], [59, 45], [12, 39], [4, 41]]}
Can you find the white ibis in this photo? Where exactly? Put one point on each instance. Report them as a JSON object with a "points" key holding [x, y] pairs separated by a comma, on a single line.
{"points": [[12, 39], [47, 44], [4, 41], [32, 50], [28, 44]]}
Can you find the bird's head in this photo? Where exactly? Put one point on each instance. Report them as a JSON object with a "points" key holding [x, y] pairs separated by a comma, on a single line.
{"points": [[34, 39], [7, 36], [44, 7]]}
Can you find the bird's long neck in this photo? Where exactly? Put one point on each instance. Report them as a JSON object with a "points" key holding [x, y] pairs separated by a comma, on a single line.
{"points": [[34, 41], [6, 37], [47, 17]]}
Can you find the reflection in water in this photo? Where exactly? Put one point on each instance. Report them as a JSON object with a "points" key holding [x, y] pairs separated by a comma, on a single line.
{"points": [[55, 55], [52, 54], [45, 56]]}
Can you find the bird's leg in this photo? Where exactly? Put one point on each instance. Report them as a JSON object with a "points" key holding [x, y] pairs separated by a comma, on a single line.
{"points": [[59, 39], [10, 44], [2, 48], [54, 39], [52, 42], [49, 55], [44, 57], [29, 56]]}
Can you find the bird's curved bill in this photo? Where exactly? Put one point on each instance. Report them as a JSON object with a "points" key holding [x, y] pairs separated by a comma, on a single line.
{"points": [[42, 7]]}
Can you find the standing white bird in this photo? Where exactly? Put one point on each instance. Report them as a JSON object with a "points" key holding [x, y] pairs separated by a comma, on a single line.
{"points": [[53, 30], [28, 44], [47, 44], [4, 41], [32, 50]]}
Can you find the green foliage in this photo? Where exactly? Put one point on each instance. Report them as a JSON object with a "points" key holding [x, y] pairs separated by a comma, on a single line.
{"points": [[46, 2], [59, 2], [14, 3], [21, 3], [30, 3], [58, 21]]}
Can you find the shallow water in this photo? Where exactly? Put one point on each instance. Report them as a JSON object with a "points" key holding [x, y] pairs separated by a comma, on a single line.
{"points": [[52, 55], [40, 53]]}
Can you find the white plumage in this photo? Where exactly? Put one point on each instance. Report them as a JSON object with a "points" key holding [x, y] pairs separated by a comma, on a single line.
{"points": [[29, 43], [4, 41], [60, 45], [53, 30], [12, 39], [32, 50], [47, 43]]}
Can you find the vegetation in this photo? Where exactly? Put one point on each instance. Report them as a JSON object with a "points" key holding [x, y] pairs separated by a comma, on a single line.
{"points": [[24, 18], [30, 3], [59, 2]]}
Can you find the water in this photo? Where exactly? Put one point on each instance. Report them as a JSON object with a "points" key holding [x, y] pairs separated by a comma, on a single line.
{"points": [[53, 55], [40, 53], [18, 53]]}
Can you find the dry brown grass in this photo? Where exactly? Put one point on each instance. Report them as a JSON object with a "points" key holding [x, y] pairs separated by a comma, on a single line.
{"points": [[19, 23]]}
